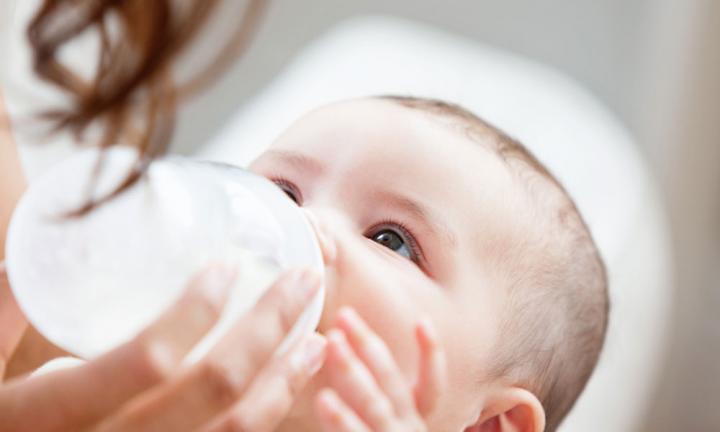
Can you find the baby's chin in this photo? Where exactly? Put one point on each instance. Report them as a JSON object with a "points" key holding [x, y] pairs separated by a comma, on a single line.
{"points": [[302, 414]]}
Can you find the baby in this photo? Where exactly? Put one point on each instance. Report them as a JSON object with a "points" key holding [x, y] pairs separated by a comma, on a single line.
{"points": [[433, 214]]}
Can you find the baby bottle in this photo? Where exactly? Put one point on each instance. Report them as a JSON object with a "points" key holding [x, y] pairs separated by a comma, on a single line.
{"points": [[92, 282]]}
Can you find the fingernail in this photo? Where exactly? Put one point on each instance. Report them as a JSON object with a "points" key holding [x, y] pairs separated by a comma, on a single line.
{"points": [[307, 283], [312, 355], [217, 281]]}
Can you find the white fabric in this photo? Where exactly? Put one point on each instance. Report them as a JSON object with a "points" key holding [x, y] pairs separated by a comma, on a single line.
{"points": [[577, 138]]}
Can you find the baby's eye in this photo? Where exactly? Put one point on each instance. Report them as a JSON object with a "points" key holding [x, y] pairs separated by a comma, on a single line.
{"points": [[393, 241], [290, 190], [397, 239]]}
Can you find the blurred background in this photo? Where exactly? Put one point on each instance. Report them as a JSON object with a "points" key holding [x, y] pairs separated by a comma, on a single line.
{"points": [[654, 63]]}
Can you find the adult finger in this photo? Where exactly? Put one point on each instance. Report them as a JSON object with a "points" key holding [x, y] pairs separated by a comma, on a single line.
{"points": [[74, 398], [373, 351], [274, 391], [432, 372], [335, 415], [221, 378]]}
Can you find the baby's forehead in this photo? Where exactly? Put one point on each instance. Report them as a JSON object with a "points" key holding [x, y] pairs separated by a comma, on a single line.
{"points": [[381, 144], [381, 132]]}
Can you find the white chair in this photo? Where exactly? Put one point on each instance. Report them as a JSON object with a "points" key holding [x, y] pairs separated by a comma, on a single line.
{"points": [[578, 139]]}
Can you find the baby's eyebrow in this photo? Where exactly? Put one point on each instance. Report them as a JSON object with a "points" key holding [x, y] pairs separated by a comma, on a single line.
{"points": [[414, 208], [298, 160], [419, 212]]}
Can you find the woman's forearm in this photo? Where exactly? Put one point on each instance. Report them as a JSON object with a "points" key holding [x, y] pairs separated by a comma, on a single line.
{"points": [[12, 180]]}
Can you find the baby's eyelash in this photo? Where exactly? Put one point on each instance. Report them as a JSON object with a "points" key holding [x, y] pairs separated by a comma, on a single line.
{"points": [[413, 244], [291, 187]]}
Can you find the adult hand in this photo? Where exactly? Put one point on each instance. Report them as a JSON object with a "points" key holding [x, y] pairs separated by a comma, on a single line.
{"points": [[140, 386]]}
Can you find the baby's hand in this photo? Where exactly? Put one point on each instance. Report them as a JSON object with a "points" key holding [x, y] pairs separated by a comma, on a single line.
{"points": [[369, 393]]}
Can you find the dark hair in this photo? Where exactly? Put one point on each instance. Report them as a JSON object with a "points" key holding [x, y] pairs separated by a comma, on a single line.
{"points": [[139, 42], [554, 329]]}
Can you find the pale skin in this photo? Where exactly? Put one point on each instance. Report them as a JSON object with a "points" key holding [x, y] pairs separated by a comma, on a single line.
{"points": [[372, 172], [407, 336]]}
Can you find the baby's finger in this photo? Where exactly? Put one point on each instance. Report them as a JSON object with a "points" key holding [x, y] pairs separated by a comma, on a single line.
{"points": [[74, 398], [272, 394], [432, 374], [335, 415], [355, 384], [222, 377], [373, 351]]}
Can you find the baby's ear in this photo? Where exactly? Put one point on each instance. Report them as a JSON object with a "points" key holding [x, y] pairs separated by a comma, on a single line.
{"points": [[510, 410]]}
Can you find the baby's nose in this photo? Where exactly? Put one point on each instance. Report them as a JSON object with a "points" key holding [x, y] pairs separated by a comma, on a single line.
{"points": [[325, 239], [326, 230]]}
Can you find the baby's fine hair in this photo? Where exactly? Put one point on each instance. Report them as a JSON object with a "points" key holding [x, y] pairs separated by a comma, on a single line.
{"points": [[554, 327]]}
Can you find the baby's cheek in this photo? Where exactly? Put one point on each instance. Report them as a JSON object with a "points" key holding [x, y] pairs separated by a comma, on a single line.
{"points": [[384, 292], [393, 320], [467, 339]]}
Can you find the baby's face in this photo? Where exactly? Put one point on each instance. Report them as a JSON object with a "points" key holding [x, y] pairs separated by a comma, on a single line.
{"points": [[414, 209]]}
